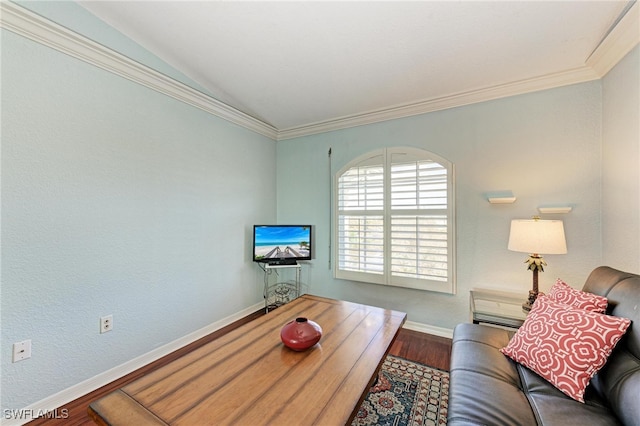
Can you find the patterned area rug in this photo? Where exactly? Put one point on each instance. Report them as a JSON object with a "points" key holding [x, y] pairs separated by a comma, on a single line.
{"points": [[406, 393]]}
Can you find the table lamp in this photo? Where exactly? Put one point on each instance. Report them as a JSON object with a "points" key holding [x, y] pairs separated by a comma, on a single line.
{"points": [[536, 237]]}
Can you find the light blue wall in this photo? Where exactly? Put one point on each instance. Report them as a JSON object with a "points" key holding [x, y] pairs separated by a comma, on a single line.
{"points": [[116, 200], [544, 146], [119, 200], [621, 165]]}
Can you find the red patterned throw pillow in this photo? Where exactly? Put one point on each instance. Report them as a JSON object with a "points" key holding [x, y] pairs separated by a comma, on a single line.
{"points": [[565, 345], [562, 292]]}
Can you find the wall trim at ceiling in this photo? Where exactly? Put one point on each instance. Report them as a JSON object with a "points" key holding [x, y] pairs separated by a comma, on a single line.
{"points": [[617, 43], [565, 78], [620, 40], [41, 30]]}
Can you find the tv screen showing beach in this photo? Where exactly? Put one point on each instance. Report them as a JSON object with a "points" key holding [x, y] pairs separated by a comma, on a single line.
{"points": [[282, 242]]}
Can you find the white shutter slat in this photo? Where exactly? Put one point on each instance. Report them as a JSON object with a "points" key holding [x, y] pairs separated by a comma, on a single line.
{"points": [[361, 188], [419, 247], [361, 243], [418, 184]]}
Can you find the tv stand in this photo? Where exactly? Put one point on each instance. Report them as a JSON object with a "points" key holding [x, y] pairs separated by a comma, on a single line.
{"points": [[282, 291]]}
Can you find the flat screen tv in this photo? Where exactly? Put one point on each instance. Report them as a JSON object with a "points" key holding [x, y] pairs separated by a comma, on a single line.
{"points": [[281, 244]]}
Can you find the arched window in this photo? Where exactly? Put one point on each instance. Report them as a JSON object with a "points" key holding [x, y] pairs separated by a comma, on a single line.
{"points": [[394, 220]]}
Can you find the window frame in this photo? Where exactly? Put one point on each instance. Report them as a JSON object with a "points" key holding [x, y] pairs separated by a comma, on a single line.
{"points": [[387, 277]]}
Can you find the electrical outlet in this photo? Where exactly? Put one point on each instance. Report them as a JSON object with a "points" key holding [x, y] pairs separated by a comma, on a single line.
{"points": [[21, 350], [106, 323]]}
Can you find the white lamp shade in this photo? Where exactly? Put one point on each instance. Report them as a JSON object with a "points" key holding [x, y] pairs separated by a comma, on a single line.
{"points": [[537, 236]]}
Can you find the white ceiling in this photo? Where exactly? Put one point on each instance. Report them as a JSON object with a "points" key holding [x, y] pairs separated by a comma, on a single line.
{"points": [[294, 64]]}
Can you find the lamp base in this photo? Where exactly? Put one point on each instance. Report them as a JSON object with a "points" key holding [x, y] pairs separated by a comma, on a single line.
{"points": [[526, 306]]}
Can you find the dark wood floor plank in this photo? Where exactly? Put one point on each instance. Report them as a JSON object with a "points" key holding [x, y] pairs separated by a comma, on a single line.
{"points": [[424, 348]]}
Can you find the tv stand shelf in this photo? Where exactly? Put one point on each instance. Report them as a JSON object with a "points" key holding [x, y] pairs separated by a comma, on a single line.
{"points": [[280, 292]]}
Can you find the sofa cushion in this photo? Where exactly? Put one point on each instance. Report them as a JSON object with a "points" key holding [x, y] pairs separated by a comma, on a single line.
{"points": [[483, 375], [565, 345], [619, 380], [562, 292], [488, 388]]}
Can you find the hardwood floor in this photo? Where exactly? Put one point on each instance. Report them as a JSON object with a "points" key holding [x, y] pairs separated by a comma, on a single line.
{"points": [[412, 345], [424, 348]]}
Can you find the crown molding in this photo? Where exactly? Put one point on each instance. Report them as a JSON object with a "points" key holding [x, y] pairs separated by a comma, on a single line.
{"points": [[616, 44], [620, 40], [23, 22], [578, 75]]}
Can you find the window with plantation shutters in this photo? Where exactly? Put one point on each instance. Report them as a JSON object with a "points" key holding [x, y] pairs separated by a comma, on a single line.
{"points": [[394, 220]]}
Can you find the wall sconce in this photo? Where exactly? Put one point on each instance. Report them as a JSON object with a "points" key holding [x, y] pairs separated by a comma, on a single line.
{"points": [[555, 210], [501, 197], [502, 200]]}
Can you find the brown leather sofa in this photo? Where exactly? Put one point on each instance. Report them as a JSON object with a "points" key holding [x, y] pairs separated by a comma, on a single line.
{"points": [[488, 388]]}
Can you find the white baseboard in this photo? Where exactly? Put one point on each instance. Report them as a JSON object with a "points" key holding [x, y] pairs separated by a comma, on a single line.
{"points": [[429, 329], [51, 403]]}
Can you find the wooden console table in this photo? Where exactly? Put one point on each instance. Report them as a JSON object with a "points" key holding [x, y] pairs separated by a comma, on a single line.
{"points": [[249, 377]]}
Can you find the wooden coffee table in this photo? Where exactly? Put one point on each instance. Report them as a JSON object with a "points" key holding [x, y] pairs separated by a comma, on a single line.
{"points": [[248, 377]]}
